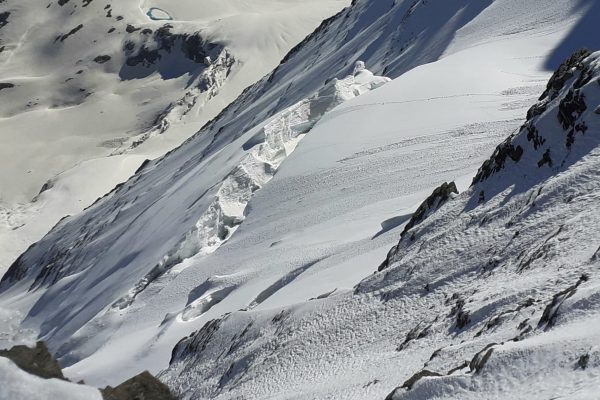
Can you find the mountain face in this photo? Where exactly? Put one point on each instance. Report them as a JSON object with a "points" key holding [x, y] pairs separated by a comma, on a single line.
{"points": [[90, 89], [494, 290], [252, 240]]}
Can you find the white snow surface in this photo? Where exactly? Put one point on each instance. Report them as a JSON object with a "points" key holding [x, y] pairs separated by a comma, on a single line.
{"points": [[66, 110], [496, 293], [191, 238], [17, 384]]}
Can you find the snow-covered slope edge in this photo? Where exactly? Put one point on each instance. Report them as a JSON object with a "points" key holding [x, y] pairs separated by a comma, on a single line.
{"points": [[493, 295], [317, 226]]}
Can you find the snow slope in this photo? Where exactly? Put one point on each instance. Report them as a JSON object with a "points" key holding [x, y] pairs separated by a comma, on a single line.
{"points": [[494, 295], [85, 82], [123, 282]]}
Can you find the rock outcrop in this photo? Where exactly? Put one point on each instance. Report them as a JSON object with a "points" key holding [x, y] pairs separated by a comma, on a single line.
{"points": [[37, 361], [141, 387]]}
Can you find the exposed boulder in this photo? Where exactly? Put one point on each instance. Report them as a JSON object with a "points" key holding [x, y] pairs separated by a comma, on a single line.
{"points": [[141, 387], [102, 59], [37, 360]]}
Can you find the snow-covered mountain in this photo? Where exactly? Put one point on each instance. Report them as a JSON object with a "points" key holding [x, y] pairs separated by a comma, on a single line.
{"points": [[90, 89], [492, 293], [260, 240]]}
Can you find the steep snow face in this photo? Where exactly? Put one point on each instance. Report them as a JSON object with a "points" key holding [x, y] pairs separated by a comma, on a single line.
{"points": [[257, 166], [99, 287], [19, 385], [88, 82], [494, 295]]}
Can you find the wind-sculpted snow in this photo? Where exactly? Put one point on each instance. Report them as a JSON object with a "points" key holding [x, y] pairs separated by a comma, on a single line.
{"points": [[199, 234], [491, 296]]}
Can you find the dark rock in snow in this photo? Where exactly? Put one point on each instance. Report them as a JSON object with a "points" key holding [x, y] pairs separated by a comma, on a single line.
{"points": [[102, 59], [141, 387], [583, 361], [439, 197], [481, 358], [574, 72], [416, 333], [71, 32], [564, 73], [417, 377], [196, 342], [496, 163], [463, 317], [130, 28], [37, 361], [571, 108], [4, 19], [458, 368], [408, 385], [170, 54], [6, 85], [546, 159], [551, 311]]}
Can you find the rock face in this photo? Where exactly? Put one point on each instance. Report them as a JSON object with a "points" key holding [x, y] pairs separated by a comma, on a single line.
{"points": [[568, 80], [102, 59], [147, 48], [37, 361], [4, 18], [141, 387], [438, 198], [537, 171]]}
